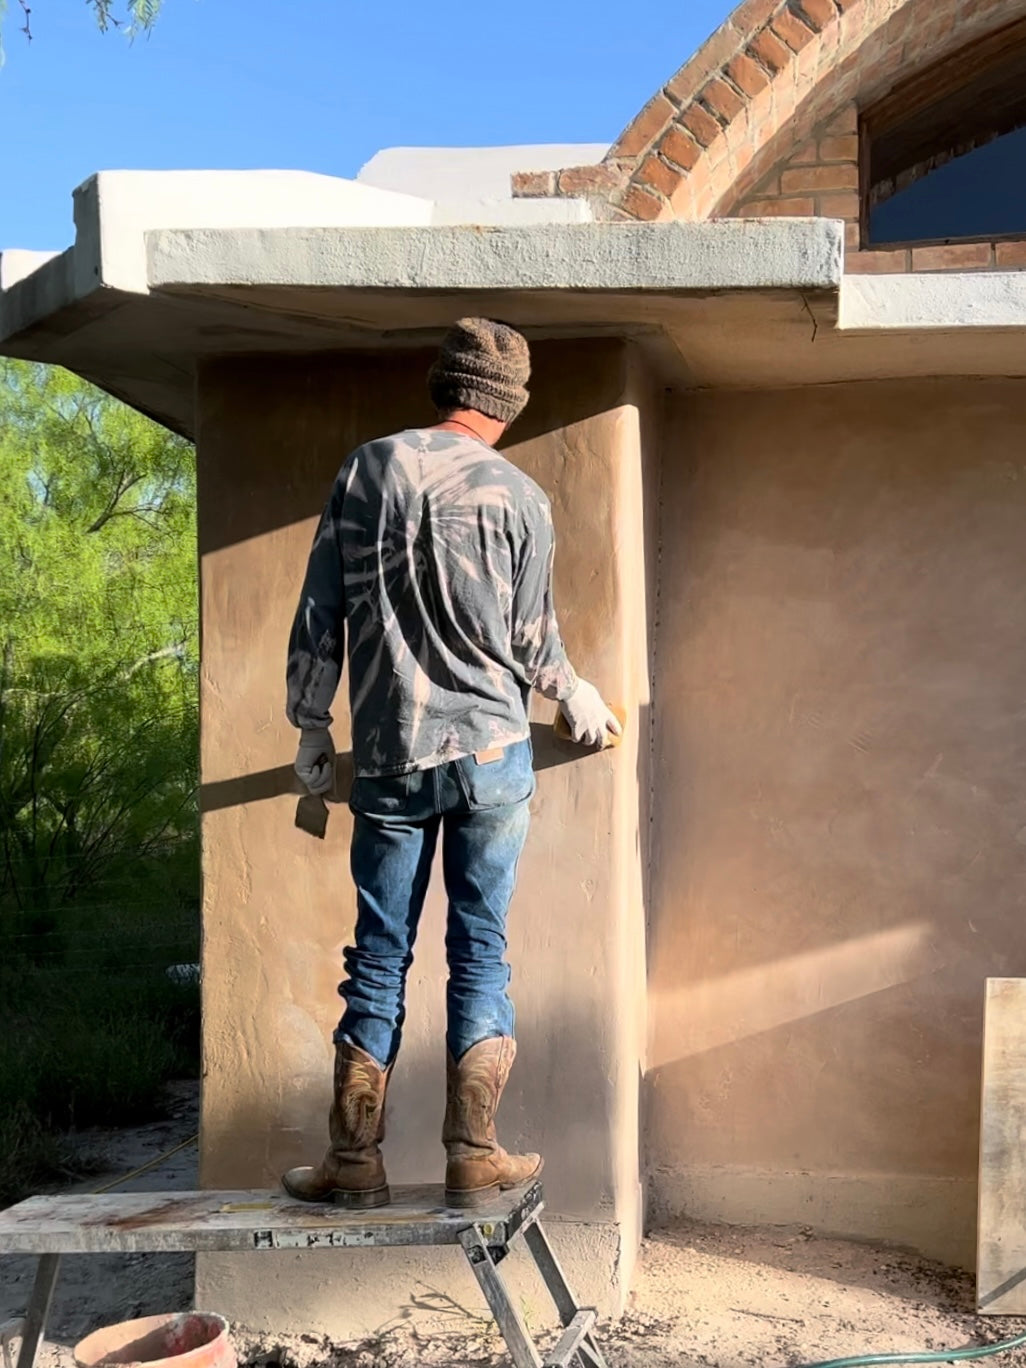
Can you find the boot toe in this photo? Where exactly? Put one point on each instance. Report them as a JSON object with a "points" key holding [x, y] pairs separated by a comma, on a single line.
{"points": [[303, 1184], [524, 1168]]}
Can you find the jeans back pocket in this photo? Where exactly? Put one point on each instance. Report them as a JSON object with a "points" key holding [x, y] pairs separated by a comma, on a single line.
{"points": [[498, 783]]}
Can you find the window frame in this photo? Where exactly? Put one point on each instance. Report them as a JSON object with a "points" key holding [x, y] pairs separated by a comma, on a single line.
{"points": [[954, 93]]}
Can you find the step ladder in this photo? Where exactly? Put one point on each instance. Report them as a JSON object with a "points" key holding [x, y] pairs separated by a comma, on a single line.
{"points": [[165, 1222]]}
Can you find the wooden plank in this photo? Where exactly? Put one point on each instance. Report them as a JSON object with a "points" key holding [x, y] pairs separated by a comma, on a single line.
{"points": [[1001, 1230], [243, 1220]]}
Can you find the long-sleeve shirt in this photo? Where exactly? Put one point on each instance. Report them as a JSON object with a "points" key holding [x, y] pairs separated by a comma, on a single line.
{"points": [[432, 564]]}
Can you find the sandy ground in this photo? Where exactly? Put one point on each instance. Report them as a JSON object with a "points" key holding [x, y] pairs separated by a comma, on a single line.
{"points": [[707, 1297]]}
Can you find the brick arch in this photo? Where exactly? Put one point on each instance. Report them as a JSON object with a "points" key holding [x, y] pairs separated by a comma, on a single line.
{"points": [[756, 92]]}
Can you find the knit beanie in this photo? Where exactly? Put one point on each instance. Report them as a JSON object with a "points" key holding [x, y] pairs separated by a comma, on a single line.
{"points": [[482, 365]]}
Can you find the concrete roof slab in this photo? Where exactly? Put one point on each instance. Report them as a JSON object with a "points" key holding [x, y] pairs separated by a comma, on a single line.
{"points": [[735, 254]]}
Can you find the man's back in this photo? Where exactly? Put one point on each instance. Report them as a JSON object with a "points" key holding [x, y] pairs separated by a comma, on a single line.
{"points": [[446, 551]]}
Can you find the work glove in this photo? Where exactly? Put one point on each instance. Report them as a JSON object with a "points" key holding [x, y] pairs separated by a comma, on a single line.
{"points": [[588, 716], [315, 762]]}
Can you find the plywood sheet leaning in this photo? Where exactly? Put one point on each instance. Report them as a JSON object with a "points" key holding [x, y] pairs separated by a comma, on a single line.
{"points": [[1001, 1229]]}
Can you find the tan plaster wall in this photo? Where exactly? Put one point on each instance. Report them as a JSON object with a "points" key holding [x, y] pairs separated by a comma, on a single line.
{"points": [[840, 821], [278, 905]]}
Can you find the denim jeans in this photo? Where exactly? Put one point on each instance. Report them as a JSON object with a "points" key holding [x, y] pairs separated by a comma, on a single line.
{"points": [[480, 810]]}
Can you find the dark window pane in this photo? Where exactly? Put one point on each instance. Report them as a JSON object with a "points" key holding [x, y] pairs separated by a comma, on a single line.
{"points": [[980, 195]]}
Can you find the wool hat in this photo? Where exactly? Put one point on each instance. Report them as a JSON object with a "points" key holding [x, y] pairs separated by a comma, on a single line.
{"points": [[482, 365]]}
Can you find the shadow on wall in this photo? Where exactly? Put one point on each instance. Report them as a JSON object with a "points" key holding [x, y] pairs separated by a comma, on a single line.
{"points": [[330, 416], [549, 751]]}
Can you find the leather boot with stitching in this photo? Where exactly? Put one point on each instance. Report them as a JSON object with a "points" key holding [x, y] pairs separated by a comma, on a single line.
{"points": [[352, 1173], [478, 1167]]}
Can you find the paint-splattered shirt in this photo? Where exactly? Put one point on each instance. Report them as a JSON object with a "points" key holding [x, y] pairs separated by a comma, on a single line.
{"points": [[433, 564]]}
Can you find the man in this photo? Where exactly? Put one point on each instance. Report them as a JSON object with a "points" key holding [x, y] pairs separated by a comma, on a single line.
{"points": [[433, 564]]}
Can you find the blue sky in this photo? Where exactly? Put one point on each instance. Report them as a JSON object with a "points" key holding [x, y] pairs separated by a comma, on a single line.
{"points": [[320, 86]]}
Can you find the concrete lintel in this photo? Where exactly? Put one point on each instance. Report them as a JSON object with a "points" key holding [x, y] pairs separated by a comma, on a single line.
{"points": [[736, 254], [941, 302]]}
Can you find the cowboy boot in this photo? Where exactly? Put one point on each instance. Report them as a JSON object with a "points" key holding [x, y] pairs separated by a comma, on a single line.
{"points": [[352, 1173], [477, 1166]]}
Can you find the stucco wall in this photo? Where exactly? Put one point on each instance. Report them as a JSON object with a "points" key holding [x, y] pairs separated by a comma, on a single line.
{"points": [[840, 819], [278, 905]]}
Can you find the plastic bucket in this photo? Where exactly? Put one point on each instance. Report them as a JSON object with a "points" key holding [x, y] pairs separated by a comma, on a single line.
{"points": [[194, 1339]]}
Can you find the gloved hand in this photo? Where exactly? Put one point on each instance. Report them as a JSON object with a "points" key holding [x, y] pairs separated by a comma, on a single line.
{"points": [[315, 762], [588, 716]]}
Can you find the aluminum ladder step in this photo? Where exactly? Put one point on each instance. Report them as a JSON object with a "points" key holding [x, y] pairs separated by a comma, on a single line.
{"points": [[572, 1340]]}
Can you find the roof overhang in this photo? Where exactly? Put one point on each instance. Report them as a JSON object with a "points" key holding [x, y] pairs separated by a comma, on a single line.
{"points": [[215, 292], [136, 305]]}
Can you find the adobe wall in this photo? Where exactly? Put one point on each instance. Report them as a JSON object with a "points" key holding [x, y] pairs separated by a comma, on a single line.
{"points": [[840, 812], [278, 905]]}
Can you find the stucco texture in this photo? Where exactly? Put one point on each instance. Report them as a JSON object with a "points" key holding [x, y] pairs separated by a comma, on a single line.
{"points": [[278, 905], [840, 819]]}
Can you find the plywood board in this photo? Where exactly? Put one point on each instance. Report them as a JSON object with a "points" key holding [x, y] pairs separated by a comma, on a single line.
{"points": [[249, 1220], [1001, 1253]]}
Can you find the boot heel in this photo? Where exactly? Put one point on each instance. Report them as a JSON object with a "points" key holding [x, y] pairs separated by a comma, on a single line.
{"points": [[467, 1201], [362, 1201]]}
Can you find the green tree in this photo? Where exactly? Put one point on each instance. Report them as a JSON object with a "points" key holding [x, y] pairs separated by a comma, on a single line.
{"points": [[98, 650]]}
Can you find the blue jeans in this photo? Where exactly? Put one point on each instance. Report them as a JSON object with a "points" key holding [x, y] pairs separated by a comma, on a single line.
{"points": [[481, 812]]}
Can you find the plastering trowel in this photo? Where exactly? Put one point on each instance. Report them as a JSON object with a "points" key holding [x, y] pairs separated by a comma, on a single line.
{"points": [[312, 815]]}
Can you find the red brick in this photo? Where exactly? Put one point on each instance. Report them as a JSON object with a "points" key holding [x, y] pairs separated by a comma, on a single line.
{"points": [[817, 13], [839, 149], [744, 153], [796, 207], [701, 123], [842, 206], [876, 263], [806, 155], [795, 179], [533, 184], [658, 175], [771, 52], [843, 5], [1011, 255], [753, 14], [846, 120], [680, 148], [747, 75], [953, 256], [589, 180], [722, 99], [639, 204], [646, 127], [707, 60], [705, 201], [852, 236], [791, 29]]}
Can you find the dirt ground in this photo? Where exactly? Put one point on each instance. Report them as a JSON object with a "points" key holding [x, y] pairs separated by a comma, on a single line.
{"points": [[707, 1296]]}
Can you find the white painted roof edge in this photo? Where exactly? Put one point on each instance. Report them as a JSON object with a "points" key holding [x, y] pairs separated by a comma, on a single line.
{"points": [[453, 176], [945, 301]]}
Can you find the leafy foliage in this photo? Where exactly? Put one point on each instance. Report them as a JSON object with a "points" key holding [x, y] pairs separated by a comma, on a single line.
{"points": [[98, 647], [99, 879], [140, 14]]}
